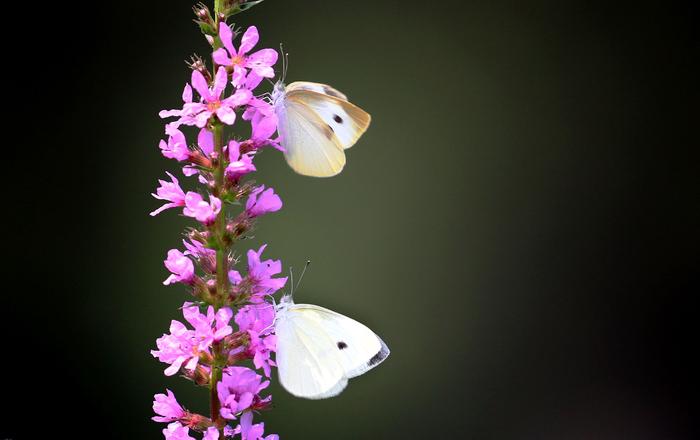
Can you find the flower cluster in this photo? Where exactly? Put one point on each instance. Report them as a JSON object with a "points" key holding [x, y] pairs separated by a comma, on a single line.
{"points": [[227, 331]]}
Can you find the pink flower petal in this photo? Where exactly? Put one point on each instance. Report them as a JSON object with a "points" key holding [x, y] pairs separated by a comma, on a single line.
{"points": [[226, 114], [249, 40], [263, 57], [205, 140], [219, 83], [221, 57], [200, 85]]}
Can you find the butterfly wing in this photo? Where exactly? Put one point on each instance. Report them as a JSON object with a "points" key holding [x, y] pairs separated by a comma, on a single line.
{"points": [[318, 350], [316, 87], [347, 121], [312, 148]]}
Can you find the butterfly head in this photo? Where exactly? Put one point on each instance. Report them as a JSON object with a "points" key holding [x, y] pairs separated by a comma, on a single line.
{"points": [[278, 91], [288, 298]]}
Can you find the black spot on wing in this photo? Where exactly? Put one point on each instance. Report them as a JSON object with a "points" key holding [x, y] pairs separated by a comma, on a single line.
{"points": [[338, 119], [342, 345], [379, 357]]}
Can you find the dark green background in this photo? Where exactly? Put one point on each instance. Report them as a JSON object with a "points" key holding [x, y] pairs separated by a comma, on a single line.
{"points": [[515, 224]]}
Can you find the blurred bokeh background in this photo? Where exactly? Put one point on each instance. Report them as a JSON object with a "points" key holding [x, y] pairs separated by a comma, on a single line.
{"points": [[518, 223]]}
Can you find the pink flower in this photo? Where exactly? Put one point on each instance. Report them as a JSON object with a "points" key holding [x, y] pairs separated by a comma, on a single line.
{"points": [[262, 201], [185, 118], [183, 346], [234, 277], [177, 348], [260, 62], [208, 328], [176, 147], [171, 192], [204, 256], [239, 390], [211, 434], [204, 212], [261, 273], [213, 104], [239, 164], [249, 431], [181, 267], [175, 431], [257, 320], [197, 249], [263, 120], [205, 140], [167, 408]]}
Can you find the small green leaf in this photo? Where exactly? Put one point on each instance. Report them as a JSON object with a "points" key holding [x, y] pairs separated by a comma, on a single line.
{"points": [[248, 5], [240, 7], [206, 28]]}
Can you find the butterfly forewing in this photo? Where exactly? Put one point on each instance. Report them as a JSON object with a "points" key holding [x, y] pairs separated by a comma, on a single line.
{"points": [[312, 148], [358, 347], [347, 121]]}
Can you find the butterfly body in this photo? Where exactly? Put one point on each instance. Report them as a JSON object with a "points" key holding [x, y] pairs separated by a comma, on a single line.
{"points": [[318, 350], [316, 124]]}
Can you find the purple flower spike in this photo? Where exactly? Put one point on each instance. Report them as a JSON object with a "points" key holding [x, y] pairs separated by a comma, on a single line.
{"points": [[230, 322]]}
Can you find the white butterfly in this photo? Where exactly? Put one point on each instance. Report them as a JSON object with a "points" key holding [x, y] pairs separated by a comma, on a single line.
{"points": [[316, 124], [318, 350]]}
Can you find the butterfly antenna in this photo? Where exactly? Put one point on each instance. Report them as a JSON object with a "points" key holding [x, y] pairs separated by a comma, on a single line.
{"points": [[308, 262], [285, 62], [291, 284]]}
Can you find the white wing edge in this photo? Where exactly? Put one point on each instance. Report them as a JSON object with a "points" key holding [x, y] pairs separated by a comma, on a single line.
{"points": [[375, 360]]}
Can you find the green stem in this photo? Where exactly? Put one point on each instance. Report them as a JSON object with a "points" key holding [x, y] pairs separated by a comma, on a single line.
{"points": [[222, 283], [215, 405], [218, 7]]}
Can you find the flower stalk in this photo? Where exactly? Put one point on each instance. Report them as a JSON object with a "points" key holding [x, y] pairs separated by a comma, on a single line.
{"points": [[210, 350]]}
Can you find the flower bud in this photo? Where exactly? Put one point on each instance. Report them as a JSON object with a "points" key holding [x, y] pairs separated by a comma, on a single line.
{"points": [[200, 159], [200, 290], [205, 358], [198, 64], [196, 421], [201, 11]]}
